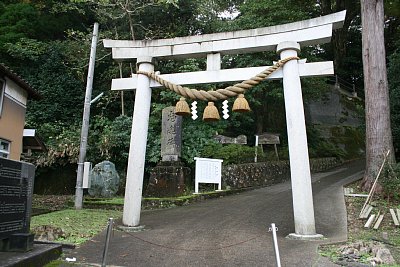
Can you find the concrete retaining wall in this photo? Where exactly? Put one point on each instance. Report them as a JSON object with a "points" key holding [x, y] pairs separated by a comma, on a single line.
{"points": [[267, 173]]}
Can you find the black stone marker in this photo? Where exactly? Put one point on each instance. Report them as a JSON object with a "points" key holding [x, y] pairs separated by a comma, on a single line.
{"points": [[16, 189]]}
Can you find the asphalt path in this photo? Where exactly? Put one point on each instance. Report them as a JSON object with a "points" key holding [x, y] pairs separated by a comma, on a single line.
{"points": [[231, 231]]}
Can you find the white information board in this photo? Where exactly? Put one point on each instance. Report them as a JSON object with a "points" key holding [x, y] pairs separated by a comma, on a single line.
{"points": [[207, 171]]}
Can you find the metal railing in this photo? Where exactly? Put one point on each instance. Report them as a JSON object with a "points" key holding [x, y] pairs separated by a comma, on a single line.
{"points": [[344, 87]]}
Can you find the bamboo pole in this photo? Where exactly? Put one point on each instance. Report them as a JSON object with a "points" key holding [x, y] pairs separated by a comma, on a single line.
{"points": [[371, 192]]}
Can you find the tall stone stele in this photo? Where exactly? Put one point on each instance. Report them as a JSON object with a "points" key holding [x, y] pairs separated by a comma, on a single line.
{"points": [[171, 135], [170, 176]]}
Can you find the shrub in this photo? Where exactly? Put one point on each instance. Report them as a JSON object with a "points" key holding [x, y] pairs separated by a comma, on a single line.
{"points": [[326, 149], [391, 181], [232, 153]]}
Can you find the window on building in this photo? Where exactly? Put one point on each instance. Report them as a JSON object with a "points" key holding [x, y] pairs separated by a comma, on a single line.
{"points": [[4, 149], [2, 89]]}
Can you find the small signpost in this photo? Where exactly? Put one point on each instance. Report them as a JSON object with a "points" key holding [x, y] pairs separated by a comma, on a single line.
{"points": [[208, 171], [269, 139]]}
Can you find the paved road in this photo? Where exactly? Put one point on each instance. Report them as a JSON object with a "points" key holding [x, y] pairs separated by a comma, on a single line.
{"points": [[231, 231]]}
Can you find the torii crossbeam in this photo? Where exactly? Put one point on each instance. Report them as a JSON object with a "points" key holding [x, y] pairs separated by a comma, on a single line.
{"points": [[285, 39]]}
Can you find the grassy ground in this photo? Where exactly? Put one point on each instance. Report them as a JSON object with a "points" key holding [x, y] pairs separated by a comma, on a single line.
{"points": [[77, 226]]}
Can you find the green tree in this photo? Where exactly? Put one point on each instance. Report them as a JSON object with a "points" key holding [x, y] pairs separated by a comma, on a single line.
{"points": [[16, 21], [256, 14], [341, 37], [62, 92]]}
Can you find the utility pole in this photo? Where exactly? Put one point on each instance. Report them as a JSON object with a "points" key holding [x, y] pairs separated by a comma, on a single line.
{"points": [[85, 120]]}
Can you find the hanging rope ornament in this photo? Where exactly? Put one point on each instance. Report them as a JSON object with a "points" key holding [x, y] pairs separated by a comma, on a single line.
{"points": [[241, 104], [211, 112], [182, 108], [225, 109], [220, 94], [194, 110]]}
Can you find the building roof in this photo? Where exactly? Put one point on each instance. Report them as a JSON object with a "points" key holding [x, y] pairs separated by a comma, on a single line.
{"points": [[32, 141], [18, 80]]}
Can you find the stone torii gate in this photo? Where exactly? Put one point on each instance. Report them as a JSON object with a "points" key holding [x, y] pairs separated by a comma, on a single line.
{"points": [[285, 39]]}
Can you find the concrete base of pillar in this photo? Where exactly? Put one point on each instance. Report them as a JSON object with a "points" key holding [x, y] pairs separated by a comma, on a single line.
{"points": [[305, 237], [131, 229]]}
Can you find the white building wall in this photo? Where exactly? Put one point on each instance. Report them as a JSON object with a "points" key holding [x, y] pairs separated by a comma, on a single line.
{"points": [[15, 92]]}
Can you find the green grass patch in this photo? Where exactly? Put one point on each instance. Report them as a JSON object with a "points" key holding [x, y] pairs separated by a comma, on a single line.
{"points": [[78, 225], [120, 200], [58, 263], [105, 201], [330, 251]]}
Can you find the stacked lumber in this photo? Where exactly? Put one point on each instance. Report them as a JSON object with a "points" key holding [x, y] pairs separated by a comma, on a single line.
{"points": [[375, 220]]}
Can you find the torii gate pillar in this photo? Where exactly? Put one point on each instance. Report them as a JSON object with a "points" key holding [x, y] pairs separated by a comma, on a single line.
{"points": [[137, 147], [303, 208]]}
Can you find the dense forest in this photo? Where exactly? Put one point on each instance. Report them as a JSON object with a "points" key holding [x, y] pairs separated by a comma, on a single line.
{"points": [[47, 43]]}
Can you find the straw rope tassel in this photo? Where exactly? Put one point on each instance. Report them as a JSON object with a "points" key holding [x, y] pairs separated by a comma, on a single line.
{"points": [[241, 104], [182, 108], [211, 113]]}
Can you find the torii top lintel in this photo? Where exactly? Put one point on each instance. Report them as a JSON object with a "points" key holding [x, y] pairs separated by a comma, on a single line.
{"points": [[306, 32]]}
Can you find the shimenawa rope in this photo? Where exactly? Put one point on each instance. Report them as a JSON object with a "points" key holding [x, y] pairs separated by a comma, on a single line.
{"points": [[219, 94]]}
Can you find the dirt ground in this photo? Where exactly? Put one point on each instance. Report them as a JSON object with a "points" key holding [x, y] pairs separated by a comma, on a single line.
{"points": [[388, 234], [387, 231], [51, 202]]}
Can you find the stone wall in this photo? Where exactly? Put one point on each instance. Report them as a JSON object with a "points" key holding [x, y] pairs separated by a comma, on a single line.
{"points": [[267, 173]]}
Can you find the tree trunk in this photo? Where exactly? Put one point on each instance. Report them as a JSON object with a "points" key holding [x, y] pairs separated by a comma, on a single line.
{"points": [[377, 109], [261, 113], [259, 123]]}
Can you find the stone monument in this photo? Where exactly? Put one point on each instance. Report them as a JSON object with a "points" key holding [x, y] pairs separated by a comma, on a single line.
{"points": [[16, 189], [17, 247], [171, 135], [104, 180], [169, 177]]}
